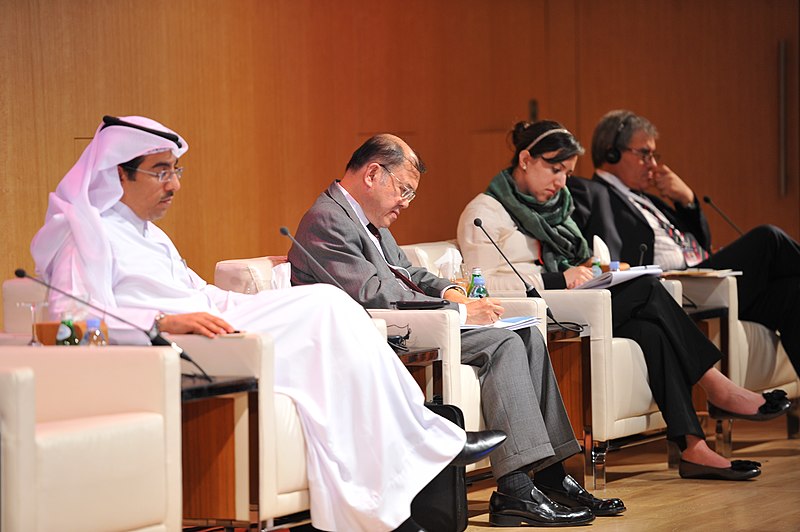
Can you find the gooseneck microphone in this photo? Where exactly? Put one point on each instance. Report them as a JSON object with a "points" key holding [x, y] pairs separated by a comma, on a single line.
{"points": [[642, 251], [154, 336], [707, 199], [530, 290], [328, 277]]}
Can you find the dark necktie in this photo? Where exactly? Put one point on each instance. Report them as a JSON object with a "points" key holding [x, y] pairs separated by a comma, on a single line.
{"points": [[397, 273]]}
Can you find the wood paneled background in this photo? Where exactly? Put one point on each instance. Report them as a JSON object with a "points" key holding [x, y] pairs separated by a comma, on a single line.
{"points": [[273, 97]]}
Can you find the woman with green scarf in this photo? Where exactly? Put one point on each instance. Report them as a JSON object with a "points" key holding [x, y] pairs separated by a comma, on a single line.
{"points": [[526, 210]]}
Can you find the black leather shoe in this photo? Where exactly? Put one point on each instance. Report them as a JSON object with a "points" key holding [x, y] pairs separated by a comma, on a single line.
{"points": [[776, 404], [739, 470], [572, 495], [505, 510], [478, 446]]}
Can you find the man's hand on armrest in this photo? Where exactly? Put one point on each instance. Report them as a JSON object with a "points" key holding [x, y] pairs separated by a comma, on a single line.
{"points": [[194, 323]]}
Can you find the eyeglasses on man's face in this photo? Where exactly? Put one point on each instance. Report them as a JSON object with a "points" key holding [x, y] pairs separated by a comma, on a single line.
{"points": [[163, 176], [406, 192], [645, 154]]}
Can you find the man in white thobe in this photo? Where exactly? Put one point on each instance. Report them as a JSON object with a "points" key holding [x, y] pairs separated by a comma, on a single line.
{"points": [[99, 241]]}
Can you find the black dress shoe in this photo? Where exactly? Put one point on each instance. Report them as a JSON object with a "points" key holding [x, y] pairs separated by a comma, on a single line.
{"points": [[505, 510], [739, 470], [572, 495], [775, 405], [478, 446]]}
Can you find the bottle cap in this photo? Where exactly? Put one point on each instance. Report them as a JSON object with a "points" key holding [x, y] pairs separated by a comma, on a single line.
{"points": [[93, 323], [613, 265]]}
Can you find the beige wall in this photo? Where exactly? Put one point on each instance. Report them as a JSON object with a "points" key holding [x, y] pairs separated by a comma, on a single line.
{"points": [[273, 96]]}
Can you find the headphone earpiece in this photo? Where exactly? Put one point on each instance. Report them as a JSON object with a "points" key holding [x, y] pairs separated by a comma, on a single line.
{"points": [[614, 154]]}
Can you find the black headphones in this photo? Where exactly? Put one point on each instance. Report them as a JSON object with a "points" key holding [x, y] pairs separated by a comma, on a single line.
{"points": [[614, 154]]}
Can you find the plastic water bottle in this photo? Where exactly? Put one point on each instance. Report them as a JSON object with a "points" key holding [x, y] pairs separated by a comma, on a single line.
{"points": [[478, 287], [93, 336], [65, 335], [476, 272], [596, 270]]}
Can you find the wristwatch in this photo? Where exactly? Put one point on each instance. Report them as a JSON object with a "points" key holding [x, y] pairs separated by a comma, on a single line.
{"points": [[156, 328]]}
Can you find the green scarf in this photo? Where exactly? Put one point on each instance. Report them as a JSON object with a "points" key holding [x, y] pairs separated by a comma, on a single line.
{"points": [[550, 223]]}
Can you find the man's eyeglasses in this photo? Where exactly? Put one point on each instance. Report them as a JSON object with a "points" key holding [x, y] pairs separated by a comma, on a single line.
{"points": [[406, 192], [162, 176], [645, 154]]}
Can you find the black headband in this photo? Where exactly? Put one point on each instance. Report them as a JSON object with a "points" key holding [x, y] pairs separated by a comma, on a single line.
{"points": [[114, 121]]}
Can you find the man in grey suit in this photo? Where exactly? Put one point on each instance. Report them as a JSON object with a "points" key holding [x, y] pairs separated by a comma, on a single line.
{"points": [[346, 230]]}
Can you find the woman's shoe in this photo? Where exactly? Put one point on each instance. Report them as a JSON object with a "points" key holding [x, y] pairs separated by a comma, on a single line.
{"points": [[776, 404], [739, 470]]}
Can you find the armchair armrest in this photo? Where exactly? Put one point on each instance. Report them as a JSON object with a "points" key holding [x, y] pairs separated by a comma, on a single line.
{"points": [[17, 429], [247, 354], [526, 306], [432, 328], [712, 291]]}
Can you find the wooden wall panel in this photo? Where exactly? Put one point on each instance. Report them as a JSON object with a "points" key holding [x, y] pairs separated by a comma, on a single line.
{"points": [[706, 74]]}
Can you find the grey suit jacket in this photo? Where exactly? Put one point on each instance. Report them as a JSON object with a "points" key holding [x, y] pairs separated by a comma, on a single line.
{"points": [[335, 237]]}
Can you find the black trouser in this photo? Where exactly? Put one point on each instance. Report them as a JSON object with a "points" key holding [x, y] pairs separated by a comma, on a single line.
{"points": [[676, 352], [769, 287]]}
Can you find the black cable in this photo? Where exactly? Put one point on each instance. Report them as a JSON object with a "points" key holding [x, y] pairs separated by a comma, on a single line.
{"points": [[568, 325]]}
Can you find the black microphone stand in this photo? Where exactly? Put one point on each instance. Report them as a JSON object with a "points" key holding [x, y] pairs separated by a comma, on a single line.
{"points": [[530, 290]]}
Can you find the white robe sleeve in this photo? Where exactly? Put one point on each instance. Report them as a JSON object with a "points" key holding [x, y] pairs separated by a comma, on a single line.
{"points": [[67, 274]]}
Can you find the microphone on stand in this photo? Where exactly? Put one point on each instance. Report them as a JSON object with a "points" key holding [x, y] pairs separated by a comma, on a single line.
{"points": [[530, 290], [328, 277], [724, 216], [642, 251], [155, 337]]}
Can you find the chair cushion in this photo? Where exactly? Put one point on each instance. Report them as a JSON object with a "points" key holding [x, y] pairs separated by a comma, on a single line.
{"points": [[77, 461]]}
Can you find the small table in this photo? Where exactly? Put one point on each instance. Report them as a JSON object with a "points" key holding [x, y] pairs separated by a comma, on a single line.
{"points": [[417, 359], [217, 449], [570, 355]]}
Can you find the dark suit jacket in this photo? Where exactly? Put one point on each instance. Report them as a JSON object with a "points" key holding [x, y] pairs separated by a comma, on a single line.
{"points": [[333, 234], [602, 210]]}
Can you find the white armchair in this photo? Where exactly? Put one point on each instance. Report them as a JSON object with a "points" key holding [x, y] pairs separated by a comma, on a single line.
{"points": [[430, 328], [756, 360], [90, 439], [282, 480], [622, 404]]}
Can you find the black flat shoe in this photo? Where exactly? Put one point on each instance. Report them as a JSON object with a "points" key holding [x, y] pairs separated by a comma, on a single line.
{"points": [[505, 510], [572, 495], [739, 470], [776, 404], [478, 447]]}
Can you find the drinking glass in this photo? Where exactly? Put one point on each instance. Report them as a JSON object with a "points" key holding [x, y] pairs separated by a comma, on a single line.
{"points": [[460, 277], [34, 307]]}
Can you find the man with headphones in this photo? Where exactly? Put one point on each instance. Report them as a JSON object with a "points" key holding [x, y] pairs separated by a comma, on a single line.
{"points": [[642, 228]]}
